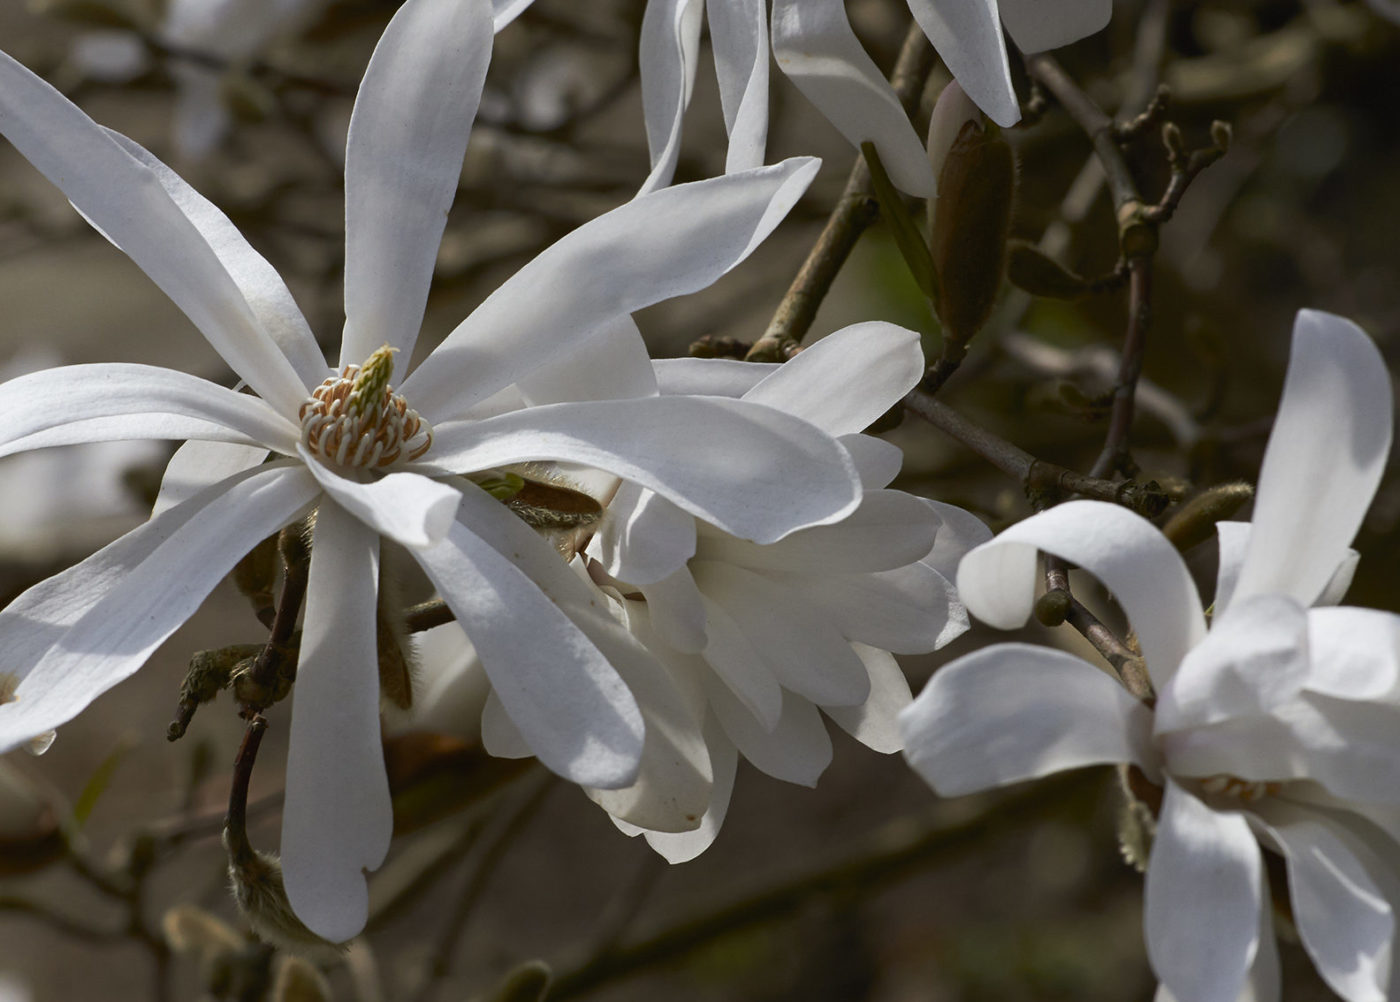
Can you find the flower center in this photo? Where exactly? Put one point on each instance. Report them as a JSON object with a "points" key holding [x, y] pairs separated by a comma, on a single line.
{"points": [[1241, 789], [356, 418]]}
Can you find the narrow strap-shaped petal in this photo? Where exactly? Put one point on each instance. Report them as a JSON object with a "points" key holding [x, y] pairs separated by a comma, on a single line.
{"points": [[739, 667], [403, 159], [847, 380], [407, 507], [337, 821], [1201, 908], [682, 847], [967, 35], [878, 462], [644, 538], [610, 365], [1040, 25], [667, 57], [1232, 539], [677, 611], [805, 652], [1124, 551], [796, 750], [94, 625], [266, 294], [1344, 899], [739, 36], [569, 703], [668, 243], [1324, 459], [108, 401], [715, 377], [1265, 977], [196, 466], [127, 201], [748, 469], [875, 722], [1012, 712], [816, 47]]}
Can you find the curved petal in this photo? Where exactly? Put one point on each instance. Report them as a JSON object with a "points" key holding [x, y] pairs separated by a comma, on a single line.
{"points": [[403, 158], [682, 847], [644, 538], [407, 507], [805, 653], [1012, 712], [1355, 653], [337, 820], [667, 57], [109, 401], [846, 380], [87, 629], [739, 35], [557, 686], [738, 666], [1201, 913], [796, 749], [1124, 551], [1040, 25], [1324, 460], [664, 244], [750, 470], [128, 203], [709, 377], [1233, 540], [875, 722], [1265, 977], [611, 365], [1343, 897], [499, 735], [263, 289], [1254, 659], [197, 466], [967, 35], [507, 11], [677, 612], [878, 462], [817, 49], [959, 534]]}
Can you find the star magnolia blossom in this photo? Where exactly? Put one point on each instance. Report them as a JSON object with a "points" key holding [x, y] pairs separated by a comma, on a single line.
{"points": [[815, 46], [348, 444], [759, 637], [1280, 726]]}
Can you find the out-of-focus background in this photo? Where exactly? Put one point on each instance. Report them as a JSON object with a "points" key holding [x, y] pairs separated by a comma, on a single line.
{"points": [[1016, 896]]}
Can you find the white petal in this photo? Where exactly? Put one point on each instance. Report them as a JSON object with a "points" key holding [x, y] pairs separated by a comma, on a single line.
{"points": [[612, 364], [875, 722], [1124, 551], [960, 533], [129, 204], [1233, 539], [670, 43], [87, 629], [403, 159], [1264, 980], [846, 381], [1039, 25], [263, 289], [337, 821], [750, 470], [507, 11], [499, 735], [657, 246], [559, 689], [1201, 914], [805, 653], [1355, 653], [644, 537], [1344, 915], [407, 507], [1012, 712], [967, 35], [951, 112], [817, 49], [197, 466], [796, 750], [678, 612], [1336, 588], [732, 656], [1254, 658], [713, 377], [878, 462], [682, 847], [1324, 460], [739, 35], [111, 401]]}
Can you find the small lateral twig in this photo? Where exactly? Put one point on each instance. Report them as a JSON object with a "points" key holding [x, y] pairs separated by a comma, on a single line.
{"points": [[271, 661], [240, 850]]}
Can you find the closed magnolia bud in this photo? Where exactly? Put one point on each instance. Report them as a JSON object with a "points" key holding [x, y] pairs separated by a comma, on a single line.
{"points": [[1195, 522], [970, 217], [1031, 269]]}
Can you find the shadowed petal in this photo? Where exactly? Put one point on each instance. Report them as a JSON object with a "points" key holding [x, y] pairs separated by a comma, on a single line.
{"points": [[670, 45], [337, 821], [644, 538], [967, 35], [1039, 25], [199, 465], [796, 749], [739, 36], [407, 507], [403, 159], [875, 722]]}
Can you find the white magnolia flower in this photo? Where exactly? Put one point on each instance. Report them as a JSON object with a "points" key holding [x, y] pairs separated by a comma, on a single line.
{"points": [[815, 46], [1280, 726], [348, 445], [760, 637]]}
